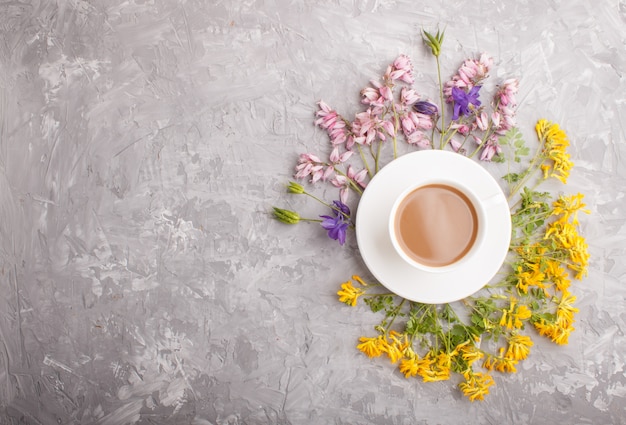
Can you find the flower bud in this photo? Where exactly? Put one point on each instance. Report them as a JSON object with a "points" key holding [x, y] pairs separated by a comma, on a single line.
{"points": [[286, 216], [295, 188], [426, 108], [434, 42]]}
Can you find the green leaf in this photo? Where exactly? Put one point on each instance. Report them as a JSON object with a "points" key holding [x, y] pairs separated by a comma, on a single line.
{"points": [[380, 302], [513, 177]]}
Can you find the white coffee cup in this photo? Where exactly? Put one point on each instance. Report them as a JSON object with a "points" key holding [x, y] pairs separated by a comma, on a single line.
{"points": [[437, 225]]}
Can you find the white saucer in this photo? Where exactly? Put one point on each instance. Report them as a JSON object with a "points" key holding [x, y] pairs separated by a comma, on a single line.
{"points": [[374, 241]]}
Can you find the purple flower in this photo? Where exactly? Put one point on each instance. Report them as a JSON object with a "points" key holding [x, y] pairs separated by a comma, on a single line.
{"points": [[463, 101], [337, 224], [426, 108]]}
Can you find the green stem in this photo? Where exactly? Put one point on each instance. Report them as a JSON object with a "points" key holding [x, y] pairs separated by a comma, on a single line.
{"points": [[395, 130], [443, 132], [395, 315], [367, 167], [534, 165], [327, 204]]}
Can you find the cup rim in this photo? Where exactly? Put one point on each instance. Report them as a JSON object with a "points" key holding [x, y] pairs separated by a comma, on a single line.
{"points": [[481, 219]]}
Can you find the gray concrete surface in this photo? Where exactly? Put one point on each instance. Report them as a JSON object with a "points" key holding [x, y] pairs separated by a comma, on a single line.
{"points": [[142, 143]]}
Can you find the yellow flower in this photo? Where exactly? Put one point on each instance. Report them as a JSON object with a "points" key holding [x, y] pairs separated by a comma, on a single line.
{"points": [[529, 274], [371, 347], [348, 294], [557, 274], [519, 347], [565, 310], [566, 237], [555, 143], [569, 206], [435, 368], [470, 353], [392, 350], [514, 316], [500, 363], [476, 385], [558, 334], [409, 366], [359, 280]]}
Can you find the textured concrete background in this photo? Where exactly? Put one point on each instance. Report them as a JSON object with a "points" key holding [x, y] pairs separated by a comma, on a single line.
{"points": [[142, 143]]}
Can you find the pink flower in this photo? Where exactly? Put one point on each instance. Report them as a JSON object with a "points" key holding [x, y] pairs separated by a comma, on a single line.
{"points": [[408, 96], [332, 122], [418, 138], [309, 165], [413, 121], [482, 121], [337, 158], [455, 144], [490, 149], [470, 74], [377, 95], [344, 182], [504, 117], [368, 126], [401, 69], [463, 129]]}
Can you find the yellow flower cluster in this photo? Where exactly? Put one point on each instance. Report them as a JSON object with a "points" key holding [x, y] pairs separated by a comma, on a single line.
{"points": [[348, 294], [559, 329], [395, 346], [512, 318], [555, 143], [562, 245], [476, 385], [563, 233]]}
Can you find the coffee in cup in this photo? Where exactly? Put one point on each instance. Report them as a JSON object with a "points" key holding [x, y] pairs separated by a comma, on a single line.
{"points": [[436, 225]]}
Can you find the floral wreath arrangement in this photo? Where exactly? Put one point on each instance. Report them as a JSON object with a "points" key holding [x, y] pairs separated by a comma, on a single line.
{"points": [[491, 330]]}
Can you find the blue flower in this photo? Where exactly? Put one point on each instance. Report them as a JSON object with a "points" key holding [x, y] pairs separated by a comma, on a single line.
{"points": [[337, 224], [463, 101]]}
